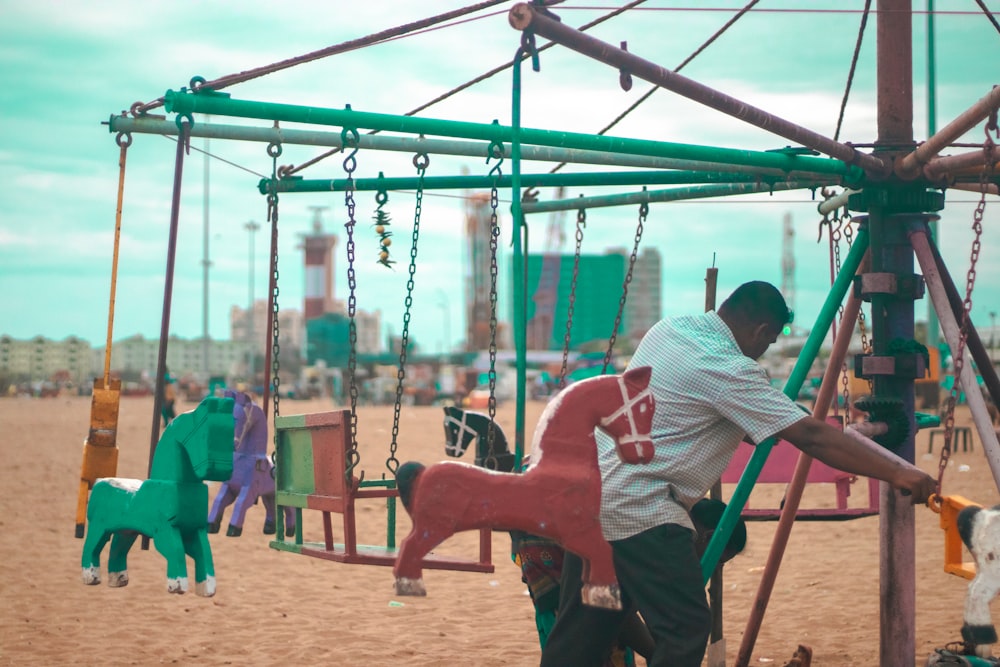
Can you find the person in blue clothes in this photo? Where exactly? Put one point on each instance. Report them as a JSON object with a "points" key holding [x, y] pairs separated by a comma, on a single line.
{"points": [[710, 393]]}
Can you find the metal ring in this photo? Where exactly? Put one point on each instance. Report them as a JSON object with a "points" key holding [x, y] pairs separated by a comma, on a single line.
{"points": [[181, 117], [124, 139], [274, 149], [495, 151], [353, 141], [421, 160], [196, 83]]}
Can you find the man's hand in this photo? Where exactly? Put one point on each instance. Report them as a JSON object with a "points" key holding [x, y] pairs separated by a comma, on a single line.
{"points": [[915, 483]]}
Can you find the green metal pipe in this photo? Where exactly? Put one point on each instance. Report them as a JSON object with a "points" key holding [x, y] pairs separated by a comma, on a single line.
{"points": [[603, 178], [407, 144], [219, 104], [519, 264], [797, 377], [660, 196]]}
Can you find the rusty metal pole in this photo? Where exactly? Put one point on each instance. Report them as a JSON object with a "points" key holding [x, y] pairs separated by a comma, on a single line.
{"points": [[892, 318], [523, 16]]}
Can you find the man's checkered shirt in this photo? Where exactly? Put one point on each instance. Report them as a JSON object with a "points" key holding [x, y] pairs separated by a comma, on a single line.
{"points": [[708, 395]]}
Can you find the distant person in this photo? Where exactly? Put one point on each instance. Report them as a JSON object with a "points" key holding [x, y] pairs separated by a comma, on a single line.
{"points": [[168, 399]]}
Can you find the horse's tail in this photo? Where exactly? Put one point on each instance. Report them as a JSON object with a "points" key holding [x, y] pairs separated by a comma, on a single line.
{"points": [[406, 481]]}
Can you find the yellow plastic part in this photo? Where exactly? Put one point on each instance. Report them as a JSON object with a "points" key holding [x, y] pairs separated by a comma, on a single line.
{"points": [[100, 451], [954, 563]]}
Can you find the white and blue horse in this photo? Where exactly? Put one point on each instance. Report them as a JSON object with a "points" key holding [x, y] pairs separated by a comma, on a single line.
{"points": [[253, 472]]}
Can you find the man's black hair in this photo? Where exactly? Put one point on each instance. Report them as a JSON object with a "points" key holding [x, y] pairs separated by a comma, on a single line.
{"points": [[758, 301]]}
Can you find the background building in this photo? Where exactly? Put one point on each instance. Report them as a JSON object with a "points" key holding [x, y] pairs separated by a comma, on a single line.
{"points": [[599, 283], [41, 359]]}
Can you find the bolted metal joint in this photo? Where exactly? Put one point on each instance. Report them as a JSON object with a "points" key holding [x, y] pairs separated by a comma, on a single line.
{"points": [[909, 365], [902, 286], [900, 200]]}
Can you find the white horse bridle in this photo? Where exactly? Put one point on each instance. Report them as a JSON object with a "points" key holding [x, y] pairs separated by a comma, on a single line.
{"points": [[626, 409]]}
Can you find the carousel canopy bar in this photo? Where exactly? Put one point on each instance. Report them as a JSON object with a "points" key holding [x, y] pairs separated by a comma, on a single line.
{"points": [[660, 196], [615, 178], [278, 135], [525, 17], [186, 103]]}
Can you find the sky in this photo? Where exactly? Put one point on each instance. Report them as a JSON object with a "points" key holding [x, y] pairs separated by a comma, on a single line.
{"points": [[66, 67]]}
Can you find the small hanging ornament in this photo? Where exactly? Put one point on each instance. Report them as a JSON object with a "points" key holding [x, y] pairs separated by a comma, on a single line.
{"points": [[382, 223]]}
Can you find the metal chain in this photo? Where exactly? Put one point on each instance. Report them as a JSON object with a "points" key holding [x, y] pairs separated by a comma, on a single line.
{"points": [[495, 151], [581, 222], [643, 212], [845, 381], [274, 150], [865, 345], [350, 138], [970, 283], [420, 161]]}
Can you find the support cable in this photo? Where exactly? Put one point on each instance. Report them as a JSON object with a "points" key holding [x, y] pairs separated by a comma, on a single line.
{"points": [[649, 93], [350, 45], [989, 14], [854, 65], [482, 77]]}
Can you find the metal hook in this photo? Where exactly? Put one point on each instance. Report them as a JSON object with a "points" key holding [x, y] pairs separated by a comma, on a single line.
{"points": [[381, 195], [624, 76], [349, 137]]}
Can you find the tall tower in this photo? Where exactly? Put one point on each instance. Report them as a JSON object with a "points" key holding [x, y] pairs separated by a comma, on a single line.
{"points": [[788, 262], [319, 249]]}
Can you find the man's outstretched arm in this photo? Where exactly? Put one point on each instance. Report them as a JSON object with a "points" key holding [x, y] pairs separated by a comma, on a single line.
{"points": [[829, 445]]}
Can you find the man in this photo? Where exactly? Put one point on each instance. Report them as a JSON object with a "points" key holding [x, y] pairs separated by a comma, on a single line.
{"points": [[709, 393]]}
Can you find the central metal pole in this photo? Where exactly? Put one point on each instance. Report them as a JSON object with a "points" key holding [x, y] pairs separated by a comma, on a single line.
{"points": [[892, 318]]}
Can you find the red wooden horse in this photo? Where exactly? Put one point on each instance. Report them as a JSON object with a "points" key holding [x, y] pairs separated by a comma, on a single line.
{"points": [[559, 496]]}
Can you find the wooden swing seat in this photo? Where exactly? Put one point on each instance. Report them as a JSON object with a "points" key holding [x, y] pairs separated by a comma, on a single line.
{"points": [[310, 474], [779, 468]]}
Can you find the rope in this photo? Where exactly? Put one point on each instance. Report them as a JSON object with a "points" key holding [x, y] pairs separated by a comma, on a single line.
{"points": [[854, 65]]}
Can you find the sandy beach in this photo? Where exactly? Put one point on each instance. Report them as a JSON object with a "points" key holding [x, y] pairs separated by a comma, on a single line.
{"points": [[276, 608]]}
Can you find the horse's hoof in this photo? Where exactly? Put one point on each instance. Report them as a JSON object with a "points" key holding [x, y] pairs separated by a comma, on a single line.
{"points": [[118, 579], [91, 576], [605, 597], [269, 528], [234, 531], [206, 588], [407, 586], [177, 585], [213, 526]]}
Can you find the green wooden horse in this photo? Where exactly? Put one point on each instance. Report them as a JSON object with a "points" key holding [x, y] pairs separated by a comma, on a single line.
{"points": [[171, 507]]}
